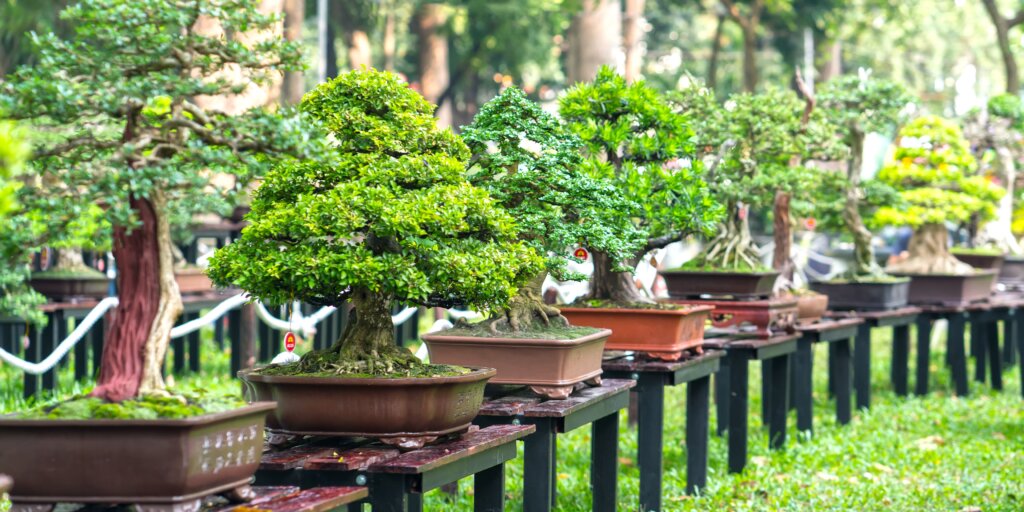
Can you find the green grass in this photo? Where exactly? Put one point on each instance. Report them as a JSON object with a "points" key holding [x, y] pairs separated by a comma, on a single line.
{"points": [[938, 452]]}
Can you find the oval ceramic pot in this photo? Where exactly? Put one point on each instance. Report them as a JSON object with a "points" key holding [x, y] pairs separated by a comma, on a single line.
{"points": [[67, 288], [659, 333], [370, 407], [550, 367], [949, 289], [132, 461], [683, 284], [811, 307], [192, 280], [1012, 270], [866, 296]]}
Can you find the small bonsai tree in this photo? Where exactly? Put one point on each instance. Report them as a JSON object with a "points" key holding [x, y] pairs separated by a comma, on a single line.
{"points": [[932, 170], [533, 167], [388, 217], [858, 105], [634, 138], [124, 132]]}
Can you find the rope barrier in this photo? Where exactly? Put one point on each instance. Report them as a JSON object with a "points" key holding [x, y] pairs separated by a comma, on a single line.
{"points": [[51, 360]]}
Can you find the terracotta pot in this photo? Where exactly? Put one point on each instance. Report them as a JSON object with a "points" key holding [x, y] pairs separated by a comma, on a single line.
{"points": [[811, 307], [550, 367], [404, 411], [1012, 270], [192, 280], [68, 288], [865, 296], [982, 261], [684, 284], [949, 289], [132, 461], [659, 333]]}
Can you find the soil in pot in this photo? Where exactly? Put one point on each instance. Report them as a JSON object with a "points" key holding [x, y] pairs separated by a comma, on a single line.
{"points": [[865, 295], [550, 360], [687, 283], [661, 331], [61, 285]]}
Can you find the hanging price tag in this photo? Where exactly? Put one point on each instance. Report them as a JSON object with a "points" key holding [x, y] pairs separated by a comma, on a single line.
{"points": [[289, 341], [581, 253], [810, 224]]}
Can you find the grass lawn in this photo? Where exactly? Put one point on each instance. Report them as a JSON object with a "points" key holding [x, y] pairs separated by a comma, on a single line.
{"points": [[939, 452]]}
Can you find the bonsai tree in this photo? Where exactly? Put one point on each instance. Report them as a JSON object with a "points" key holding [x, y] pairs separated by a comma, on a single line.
{"points": [[633, 138], [532, 166], [387, 217], [858, 105], [117, 101], [932, 169], [16, 299]]}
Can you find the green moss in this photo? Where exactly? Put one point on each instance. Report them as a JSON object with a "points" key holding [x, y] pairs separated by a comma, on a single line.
{"points": [[977, 251], [82, 273], [869, 279], [83, 407], [480, 330], [611, 304], [700, 265], [415, 371]]}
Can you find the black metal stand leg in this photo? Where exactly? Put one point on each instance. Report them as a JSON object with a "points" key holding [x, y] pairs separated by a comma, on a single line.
{"points": [[193, 348], [489, 489], [1009, 335], [415, 501], [900, 358], [31, 386], [995, 358], [803, 371], [862, 366], [831, 372], [842, 380], [387, 493], [697, 404], [97, 334], [924, 338], [604, 462], [738, 410], [722, 400], [179, 354], [54, 330], [538, 472], [979, 344], [955, 349], [81, 358], [235, 337], [779, 369], [218, 333], [649, 439], [766, 384]]}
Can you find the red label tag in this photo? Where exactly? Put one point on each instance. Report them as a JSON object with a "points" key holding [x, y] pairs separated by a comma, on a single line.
{"points": [[581, 253], [810, 224], [289, 341], [744, 211]]}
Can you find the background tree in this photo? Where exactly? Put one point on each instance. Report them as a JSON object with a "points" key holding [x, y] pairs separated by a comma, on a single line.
{"points": [[1003, 25], [634, 138], [932, 169], [387, 217], [119, 100], [533, 167]]}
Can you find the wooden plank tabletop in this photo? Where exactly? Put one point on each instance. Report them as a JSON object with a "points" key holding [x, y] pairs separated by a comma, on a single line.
{"points": [[829, 325], [293, 499], [639, 364], [749, 343], [430, 457], [523, 403], [876, 315]]}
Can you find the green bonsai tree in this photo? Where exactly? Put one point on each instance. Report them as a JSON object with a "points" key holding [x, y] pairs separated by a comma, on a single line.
{"points": [[932, 169], [118, 103], [533, 167], [387, 217], [16, 299], [633, 138], [857, 105]]}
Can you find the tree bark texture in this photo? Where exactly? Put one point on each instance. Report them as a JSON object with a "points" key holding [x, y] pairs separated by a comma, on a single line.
{"points": [[783, 237], [1003, 26], [434, 75], [594, 39], [929, 253], [609, 285], [864, 263], [733, 247], [70, 259], [294, 85], [632, 39], [716, 50], [748, 25], [169, 307]]}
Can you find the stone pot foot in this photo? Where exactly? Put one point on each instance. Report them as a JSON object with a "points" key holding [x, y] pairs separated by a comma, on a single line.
{"points": [[240, 494], [553, 392], [595, 382]]}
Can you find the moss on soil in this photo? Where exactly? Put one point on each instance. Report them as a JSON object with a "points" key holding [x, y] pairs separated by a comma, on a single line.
{"points": [[422, 371], [85, 273], [698, 265], [536, 333], [868, 279], [977, 251], [610, 304], [85, 407]]}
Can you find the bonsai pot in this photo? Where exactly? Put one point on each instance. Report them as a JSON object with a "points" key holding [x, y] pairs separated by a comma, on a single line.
{"points": [[407, 412], [864, 296], [659, 333], [691, 284], [811, 307], [192, 280], [68, 286], [1012, 270], [550, 367], [949, 289], [132, 461], [982, 261]]}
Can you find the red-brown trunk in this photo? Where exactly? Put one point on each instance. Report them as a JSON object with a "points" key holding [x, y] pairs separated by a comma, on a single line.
{"points": [[139, 290]]}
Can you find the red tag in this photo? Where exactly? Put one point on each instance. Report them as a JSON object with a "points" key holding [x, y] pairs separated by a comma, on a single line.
{"points": [[810, 223], [743, 212], [581, 253], [289, 341]]}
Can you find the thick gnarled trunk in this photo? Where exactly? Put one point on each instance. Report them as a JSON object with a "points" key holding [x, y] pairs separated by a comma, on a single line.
{"points": [[733, 247], [929, 253], [527, 310], [169, 307], [783, 237], [864, 263], [608, 285], [999, 232]]}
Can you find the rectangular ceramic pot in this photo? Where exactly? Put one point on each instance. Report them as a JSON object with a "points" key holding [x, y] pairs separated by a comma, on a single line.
{"points": [[68, 288], [131, 461], [549, 366], [949, 289], [864, 296], [983, 261], [811, 307], [659, 333], [192, 280], [1012, 270], [683, 284]]}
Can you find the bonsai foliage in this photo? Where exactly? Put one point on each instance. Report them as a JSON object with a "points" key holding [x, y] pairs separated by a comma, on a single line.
{"points": [[117, 103], [532, 166], [16, 299], [858, 105], [933, 170], [387, 217], [634, 138]]}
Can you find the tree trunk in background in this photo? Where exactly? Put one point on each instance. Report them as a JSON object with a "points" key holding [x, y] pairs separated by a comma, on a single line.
{"points": [[594, 38], [294, 85], [332, 49], [783, 237], [388, 43], [355, 30], [749, 59], [248, 333], [716, 50], [929, 253], [606, 284], [1003, 26], [632, 39], [359, 53], [434, 77], [832, 66]]}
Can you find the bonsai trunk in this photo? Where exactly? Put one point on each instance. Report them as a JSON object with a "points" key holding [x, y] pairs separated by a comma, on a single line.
{"points": [[150, 303], [608, 285], [999, 231], [782, 257], [733, 246], [863, 253], [527, 309], [929, 253], [70, 259]]}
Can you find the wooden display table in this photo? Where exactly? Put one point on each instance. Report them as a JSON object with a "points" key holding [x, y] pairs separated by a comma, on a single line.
{"points": [[838, 334], [900, 320]]}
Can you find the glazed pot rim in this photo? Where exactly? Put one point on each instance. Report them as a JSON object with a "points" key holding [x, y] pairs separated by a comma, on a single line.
{"points": [[478, 374], [751, 273], [686, 310], [553, 343], [893, 282], [979, 272], [9, 420]]}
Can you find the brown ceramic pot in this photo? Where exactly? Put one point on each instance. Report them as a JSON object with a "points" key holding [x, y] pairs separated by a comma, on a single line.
{"points": [[68, 288], [659, 333], [866, 296], [949, 289], [811, 307], [981, 260], [1012, 270], [684, 284], [192, 280], [132, 461], [395, 410], [550, 367]]}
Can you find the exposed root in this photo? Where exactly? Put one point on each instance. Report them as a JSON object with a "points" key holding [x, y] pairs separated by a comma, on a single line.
{"points": [[526, 311], [929, 254], [732, 247]]}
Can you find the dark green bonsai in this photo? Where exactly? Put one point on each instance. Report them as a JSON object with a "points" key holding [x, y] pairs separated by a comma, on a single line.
{"points": [[388, 217], [634, 138], [533, 167], [16, 298]]}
